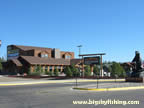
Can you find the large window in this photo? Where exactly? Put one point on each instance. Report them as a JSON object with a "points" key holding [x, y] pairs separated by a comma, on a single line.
{"points": [[44, 55], [59, 68], [50, 68], [68, 57]]}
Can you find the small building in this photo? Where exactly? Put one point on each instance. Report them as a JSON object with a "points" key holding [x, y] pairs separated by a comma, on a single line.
{"points": [[21, 59]]}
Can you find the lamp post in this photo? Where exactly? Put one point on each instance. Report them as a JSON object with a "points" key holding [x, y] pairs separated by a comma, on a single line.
{"points": [[79, 64], [0, 43], [79, 52]]}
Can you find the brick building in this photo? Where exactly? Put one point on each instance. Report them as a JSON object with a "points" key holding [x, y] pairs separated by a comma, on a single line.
{"points": [[22, 58]]}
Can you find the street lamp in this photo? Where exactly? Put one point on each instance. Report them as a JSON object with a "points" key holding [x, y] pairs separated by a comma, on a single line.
{"points": [[79, 64], [79, 52], [0, 43], [79, 49]]}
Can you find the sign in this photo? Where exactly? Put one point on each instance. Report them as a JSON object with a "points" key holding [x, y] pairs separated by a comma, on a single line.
{"points": [[91, 60], [12, 54]]}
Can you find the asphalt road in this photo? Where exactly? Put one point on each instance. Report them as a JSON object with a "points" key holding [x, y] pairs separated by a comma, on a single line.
{"points": [[62, 96]]}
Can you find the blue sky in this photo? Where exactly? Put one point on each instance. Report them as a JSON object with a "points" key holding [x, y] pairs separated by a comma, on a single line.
{"points": [[115, 27]]}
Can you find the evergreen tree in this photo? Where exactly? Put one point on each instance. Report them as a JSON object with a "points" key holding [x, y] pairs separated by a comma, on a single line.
{"points": [[50, 73], [46, 72], [29, 71], [117, 70], [109, 68], [74, 70], [87, 71], [37, 71], [56, 72], [96, 70], [1, 67], [1, 60], [68, 72]]}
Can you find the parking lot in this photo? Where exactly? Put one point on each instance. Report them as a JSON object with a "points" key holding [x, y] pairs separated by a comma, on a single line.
{"points": [[61, 95]]}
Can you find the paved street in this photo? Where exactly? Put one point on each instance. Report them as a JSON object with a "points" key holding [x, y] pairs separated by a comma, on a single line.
{"points": [[61, 96]]}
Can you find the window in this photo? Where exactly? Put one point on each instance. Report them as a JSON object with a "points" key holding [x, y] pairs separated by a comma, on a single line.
{"points": [[68, 57], [50, 68], [59, 68], [44, 55]]}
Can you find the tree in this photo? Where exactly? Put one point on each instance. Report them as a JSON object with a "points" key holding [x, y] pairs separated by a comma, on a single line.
{"points": [[46, 72], [117, 70], [1, 60], [37, 71], [77, 72], [96, 70], [109, 68], [50, 73], [87, 71], [0, 66], [56, 72], [74, 70], [68, 72], [42, 71], [29, 71]]}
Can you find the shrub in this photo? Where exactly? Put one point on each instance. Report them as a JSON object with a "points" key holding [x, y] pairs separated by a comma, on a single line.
{"points": [[68, 72], [56, 72], [74, 71], [50, 73], [96, 70], [87, 71], [117, 70], [37, 71]]}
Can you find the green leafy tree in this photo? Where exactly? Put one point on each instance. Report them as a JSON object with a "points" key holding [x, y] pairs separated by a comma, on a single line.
{"points": [[117, 70], [77, 72], [37, 71], [74, 70], [50, 73], [42, 71], [29, 71], [109, 68], [87, 71], [56, 72], [46, 72], [1, 60], [1, 66], [96, 70], [68, 72]]}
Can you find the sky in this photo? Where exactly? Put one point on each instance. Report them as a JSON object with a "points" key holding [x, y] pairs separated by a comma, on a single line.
{"points": [[114, 27]]}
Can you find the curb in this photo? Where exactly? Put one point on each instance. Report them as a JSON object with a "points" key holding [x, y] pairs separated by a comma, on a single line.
{"points": [[111, 89], [51, 82]]}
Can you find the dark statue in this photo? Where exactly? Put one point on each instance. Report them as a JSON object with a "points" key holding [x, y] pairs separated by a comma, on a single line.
{"points": [[137, 69]]}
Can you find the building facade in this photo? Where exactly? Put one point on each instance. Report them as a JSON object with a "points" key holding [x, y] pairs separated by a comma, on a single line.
{"points": [[21, 59]]}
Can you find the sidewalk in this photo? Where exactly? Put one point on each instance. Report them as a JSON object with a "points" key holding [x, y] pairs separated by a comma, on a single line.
{"points": [[10, 81], [111, 86]]}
